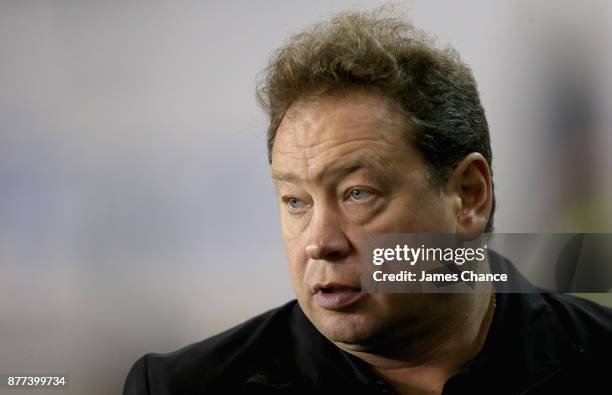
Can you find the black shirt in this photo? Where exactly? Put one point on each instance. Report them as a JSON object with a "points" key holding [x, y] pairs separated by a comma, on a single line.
{"points": [[538, 343]]}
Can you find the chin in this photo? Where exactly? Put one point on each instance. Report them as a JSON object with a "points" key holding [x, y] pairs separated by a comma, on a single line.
{"points": [[348, 328]]}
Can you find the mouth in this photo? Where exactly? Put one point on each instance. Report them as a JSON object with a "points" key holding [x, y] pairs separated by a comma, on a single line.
{"points": [[334, 296]]}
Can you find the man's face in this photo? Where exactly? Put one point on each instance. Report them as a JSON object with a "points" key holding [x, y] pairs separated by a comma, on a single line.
{"points": [[343, 167]]}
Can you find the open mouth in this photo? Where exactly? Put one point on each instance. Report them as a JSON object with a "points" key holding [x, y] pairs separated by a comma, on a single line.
{"points": [[336, 296]]}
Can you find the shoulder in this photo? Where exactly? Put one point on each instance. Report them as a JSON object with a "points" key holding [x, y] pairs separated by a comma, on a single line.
{"points": [[587, 322], [219, 360], [586, 343]]}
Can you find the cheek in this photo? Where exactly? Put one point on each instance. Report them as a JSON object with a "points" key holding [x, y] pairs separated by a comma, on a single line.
{"points": [[419, 211], [292, 227], [289, 232], [296, 258], [440, 214], [402, 215]]}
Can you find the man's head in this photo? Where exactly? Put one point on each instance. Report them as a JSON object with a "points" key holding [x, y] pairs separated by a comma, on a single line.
{"points": [[372, 130]]}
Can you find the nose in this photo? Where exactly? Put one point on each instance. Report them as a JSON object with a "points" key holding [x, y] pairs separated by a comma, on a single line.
{"points": [[326, 238]]}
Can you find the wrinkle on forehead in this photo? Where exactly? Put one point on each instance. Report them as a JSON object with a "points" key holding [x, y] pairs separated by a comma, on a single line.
{"points": [[366, 159], [316, 133], [307, 120]]}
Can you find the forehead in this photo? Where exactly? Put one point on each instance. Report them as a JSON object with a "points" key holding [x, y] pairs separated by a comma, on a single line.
{"points": [[322, 131]]}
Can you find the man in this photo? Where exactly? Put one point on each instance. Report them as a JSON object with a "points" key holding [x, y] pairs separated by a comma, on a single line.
{"points": [[373, 130]]}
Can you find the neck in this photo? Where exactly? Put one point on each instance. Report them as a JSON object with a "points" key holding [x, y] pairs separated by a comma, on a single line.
{"points": [[423, 366]]}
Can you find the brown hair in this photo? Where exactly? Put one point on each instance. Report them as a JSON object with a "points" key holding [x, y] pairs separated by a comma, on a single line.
{"points": [[382, 52]]}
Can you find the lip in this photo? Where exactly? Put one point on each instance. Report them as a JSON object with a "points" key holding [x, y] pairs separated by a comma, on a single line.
{"points": [[335, 296]]}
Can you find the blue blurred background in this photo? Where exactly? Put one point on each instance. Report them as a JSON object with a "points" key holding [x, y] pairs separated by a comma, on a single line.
{"points": [[136, 210]]}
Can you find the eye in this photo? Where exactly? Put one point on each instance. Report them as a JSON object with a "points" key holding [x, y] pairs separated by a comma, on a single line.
{"points": [[294, 203], [357, 194]]}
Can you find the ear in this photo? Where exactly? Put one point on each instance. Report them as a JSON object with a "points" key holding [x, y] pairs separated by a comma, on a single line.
{"points": [[471, 183]]}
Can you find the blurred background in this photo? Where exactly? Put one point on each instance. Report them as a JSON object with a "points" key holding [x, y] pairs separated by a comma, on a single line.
{"points": [[136, 210]]}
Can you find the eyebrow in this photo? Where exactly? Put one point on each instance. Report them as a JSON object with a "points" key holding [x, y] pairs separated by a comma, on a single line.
{"points": [[338, 170]]}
